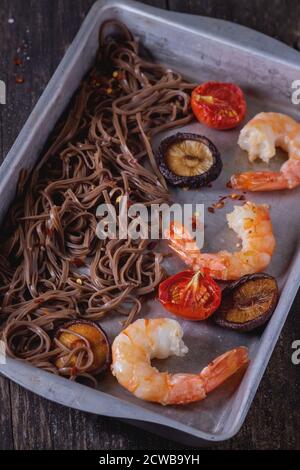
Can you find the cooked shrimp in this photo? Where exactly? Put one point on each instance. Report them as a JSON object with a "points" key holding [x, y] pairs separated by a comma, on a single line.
{"points": [[251, 223], [143, 340], [259, 138]]}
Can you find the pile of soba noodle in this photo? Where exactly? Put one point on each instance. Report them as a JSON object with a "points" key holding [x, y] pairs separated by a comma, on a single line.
{"points": [[100, 150]]}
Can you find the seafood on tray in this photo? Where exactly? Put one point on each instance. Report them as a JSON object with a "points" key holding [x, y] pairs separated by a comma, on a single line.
{"points": [[145, 339], [259, 138], [190, 295], [252, 223], [104, 151]]}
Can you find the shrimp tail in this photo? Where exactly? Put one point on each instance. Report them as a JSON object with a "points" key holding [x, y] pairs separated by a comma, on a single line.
{"points": [[183, 244], [190, 258], [224, 367], [188, 388], [259, 181]]}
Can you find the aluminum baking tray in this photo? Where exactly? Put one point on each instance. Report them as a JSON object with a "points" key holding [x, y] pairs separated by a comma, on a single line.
{"points": [[201, 48]]}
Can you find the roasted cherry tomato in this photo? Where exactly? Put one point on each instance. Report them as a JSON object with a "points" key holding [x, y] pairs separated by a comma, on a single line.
{"points": [[219, 105], [194, 296]]}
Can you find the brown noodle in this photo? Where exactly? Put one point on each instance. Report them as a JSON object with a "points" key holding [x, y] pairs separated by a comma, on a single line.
{"points": [[98, 154]]}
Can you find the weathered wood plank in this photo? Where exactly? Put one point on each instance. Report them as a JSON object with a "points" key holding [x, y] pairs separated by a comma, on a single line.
{"points": [[279, 18], [31, 420], [156, 3], [86, 431], [6, 433], [39, 36]]}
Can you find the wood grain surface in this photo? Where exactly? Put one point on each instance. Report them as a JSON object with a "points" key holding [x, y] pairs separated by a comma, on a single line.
{"points": [[38, 33]]}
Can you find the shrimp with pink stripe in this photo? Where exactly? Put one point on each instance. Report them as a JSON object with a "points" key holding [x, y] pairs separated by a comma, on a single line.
{"points": [[146, 339], [260, 137], [252, 223]]}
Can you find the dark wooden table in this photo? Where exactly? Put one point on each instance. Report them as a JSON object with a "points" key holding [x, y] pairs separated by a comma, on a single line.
{"points": [[38, 33]]}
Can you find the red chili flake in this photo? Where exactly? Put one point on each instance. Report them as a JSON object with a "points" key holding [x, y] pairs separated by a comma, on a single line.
{"points": [[211, 209], [120, 75], [242, 198], [17, 61], [229, 185], [194, 222], [20, 80], [78, 262], [219, 205]]}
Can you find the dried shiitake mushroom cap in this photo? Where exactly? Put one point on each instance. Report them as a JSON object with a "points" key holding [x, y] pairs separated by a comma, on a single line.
{"points": [[96, 337], [248, 303], [189, 160]]}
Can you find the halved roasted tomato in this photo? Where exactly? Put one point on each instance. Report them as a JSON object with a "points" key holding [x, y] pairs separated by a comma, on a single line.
{"points": [[219, 105], [191, 295]]}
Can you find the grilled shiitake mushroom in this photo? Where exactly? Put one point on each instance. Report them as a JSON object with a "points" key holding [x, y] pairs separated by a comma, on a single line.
{"points": [[248, 303], [72, 335], [189, 160]]}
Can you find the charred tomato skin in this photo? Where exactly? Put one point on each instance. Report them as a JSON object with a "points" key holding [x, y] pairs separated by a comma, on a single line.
{"points": [[95, 325], [191, 182], [220, 316]]}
